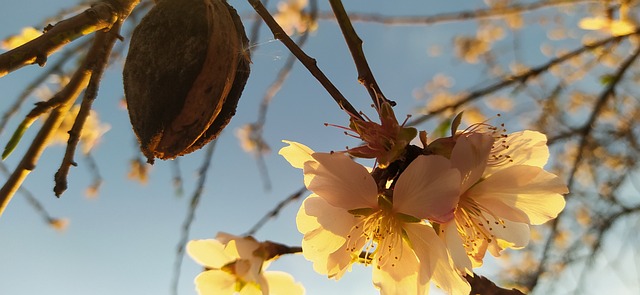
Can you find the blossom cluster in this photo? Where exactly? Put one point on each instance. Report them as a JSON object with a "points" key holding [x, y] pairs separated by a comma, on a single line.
{"points": [[421, 215], [427, 214]]}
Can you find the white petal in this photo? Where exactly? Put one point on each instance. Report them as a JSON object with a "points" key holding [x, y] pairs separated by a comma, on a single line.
{"points": [[428, 188], [282, 283], [435, 262], [453, 242], [215, 282], [296, 153], [209, 253], [340, 181], [399, 273], [470, 156], [507, 234], [325, 229], [525, 194], [407, 285], [525, 148]]}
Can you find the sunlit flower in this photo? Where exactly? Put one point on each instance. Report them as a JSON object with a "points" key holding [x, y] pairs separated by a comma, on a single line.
{"points": [[92, 130], [59, 224], [251, 141], [291, 17], [386, 142], [504, 189], [347, 220], [613, 26], [27, 34], [235, 265]]}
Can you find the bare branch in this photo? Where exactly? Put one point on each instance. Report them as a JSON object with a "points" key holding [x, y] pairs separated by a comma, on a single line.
{"points": [[99, 17], [307, 61], [365, 76], [487, 13], [102, 47], [191, 214], [520, 78]]}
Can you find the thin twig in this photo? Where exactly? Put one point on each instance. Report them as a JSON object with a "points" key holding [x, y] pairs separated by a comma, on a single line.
{"points": [[103, 45], [55, 68], [193, 205], [177, 177], [275, 211], [31, 199], [95, 172], [28, 163], [586, 130], [270, 93], [506, 81], [99, 17], [487, 13], [365, 75], [307, 61]]}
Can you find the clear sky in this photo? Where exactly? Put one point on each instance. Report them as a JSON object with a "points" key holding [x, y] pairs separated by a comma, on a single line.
{"points": [[124, 241]]}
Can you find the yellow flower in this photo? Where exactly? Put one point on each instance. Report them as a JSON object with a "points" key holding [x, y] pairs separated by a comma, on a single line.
{"points": [[504, 189], [347, 220], [234, 265], [27, 34]]}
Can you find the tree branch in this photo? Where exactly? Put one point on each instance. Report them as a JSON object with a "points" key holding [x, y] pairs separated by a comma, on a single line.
{"points": [[506, 81], [365, 76], [307, 61], [100, 16]]}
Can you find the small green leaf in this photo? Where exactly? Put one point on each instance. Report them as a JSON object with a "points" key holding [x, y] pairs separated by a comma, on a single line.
{"points": [[441, 130], [15, 138], [606, 79]]}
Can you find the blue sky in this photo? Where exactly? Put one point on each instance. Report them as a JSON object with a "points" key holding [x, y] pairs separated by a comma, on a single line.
{"points": [[124, 241]]}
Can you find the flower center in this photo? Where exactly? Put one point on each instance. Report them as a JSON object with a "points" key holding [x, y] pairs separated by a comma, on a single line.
{"points": [[474, 226], [377, 233]]}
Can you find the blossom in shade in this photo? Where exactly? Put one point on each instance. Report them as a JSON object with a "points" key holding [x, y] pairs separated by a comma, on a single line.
{"points": [[346, 219], [235, 265]]}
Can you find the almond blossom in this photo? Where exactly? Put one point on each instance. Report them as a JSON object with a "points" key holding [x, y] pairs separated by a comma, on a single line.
{"points": [[504, 189], [346, 220], [235, 265]]}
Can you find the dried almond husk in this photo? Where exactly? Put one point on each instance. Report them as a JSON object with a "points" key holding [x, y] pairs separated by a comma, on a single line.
{"points": [[185, 71]]}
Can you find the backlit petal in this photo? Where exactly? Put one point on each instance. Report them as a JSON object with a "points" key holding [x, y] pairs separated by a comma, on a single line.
{"points": [[470, 156], [282, 283], [525, 194], [296, 153], [524, 148], [428, 188], [399, 276], [209, 253], [215, 282], [340, 181], [453, 242], [325, 229], [435, 262]]}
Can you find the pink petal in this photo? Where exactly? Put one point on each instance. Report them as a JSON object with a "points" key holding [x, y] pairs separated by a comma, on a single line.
{"points": [[524, 194], [470, 156], [428, 188], [340, 181]]}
